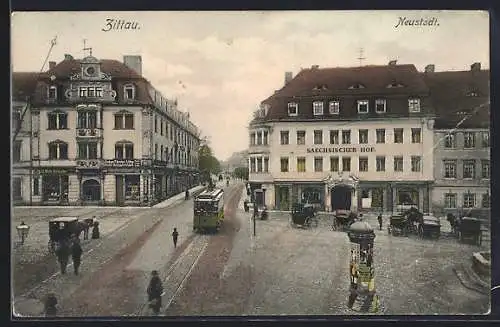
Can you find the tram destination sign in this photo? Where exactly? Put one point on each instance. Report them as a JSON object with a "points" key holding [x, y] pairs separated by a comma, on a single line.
{"points": [[363, 149]]}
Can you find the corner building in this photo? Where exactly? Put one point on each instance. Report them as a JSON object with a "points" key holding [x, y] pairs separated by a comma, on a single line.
{"points": [[101, 134], [357, 138]]}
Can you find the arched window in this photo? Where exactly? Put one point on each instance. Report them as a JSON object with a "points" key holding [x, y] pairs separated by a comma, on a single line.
{"points": [[57, 120], [124, 150], [58, 150], [129, 92]]}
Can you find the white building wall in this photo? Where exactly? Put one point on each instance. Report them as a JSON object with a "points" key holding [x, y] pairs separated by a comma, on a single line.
{"points": [[67, 135], [111, 135]]}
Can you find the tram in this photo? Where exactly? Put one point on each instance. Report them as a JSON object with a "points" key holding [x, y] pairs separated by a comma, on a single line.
{"points": [[208, 211]]}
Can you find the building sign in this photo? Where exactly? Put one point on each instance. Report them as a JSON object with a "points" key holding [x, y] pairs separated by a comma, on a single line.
{"points": [[54, 171], [123, 163], [341, 150]]}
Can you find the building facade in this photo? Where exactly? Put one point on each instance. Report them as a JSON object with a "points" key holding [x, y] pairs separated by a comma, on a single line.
{"points": [[345, 138], [103, 135], [462, 141]]}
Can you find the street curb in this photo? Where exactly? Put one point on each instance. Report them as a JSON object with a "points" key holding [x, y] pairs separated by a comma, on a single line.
{"points": [[461, 275]]}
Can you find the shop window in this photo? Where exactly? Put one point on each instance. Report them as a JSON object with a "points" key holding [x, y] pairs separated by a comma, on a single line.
{"points": [[124, 151], [407, 197], [55, 187], [58, 150], [17, 188], [124, 120], [132, 187], [57, 120], [311, 195]]}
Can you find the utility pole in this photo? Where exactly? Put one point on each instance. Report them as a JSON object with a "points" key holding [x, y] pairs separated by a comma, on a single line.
{"points": [[361, 58]]}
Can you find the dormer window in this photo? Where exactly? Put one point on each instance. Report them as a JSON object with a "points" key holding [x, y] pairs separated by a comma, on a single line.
{"points": [[293, 109], [320, 87], [129, 91], [380, 105], [334, 107], [52, 93], [473, 94], [394, 85], [414, 105], [363, 106], [318, 108], [356, 86]]}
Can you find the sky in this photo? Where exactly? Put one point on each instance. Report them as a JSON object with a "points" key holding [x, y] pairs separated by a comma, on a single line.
{"points": [[221, 65]]}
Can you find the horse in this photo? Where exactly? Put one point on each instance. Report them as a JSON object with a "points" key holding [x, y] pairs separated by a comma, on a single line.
{"points": [[84, 226], [414, 217], [454, 222]]}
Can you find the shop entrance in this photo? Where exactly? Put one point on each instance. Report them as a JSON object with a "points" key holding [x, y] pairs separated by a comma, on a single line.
{"points": [[340, 197], [91, 190]]}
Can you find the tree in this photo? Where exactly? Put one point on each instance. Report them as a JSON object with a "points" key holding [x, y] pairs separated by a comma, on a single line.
{"points": [[241, 172], [208, 164]]}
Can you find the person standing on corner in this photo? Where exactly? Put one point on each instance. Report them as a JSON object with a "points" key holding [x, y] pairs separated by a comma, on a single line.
{"points": [[175, 236], [76, 254]]}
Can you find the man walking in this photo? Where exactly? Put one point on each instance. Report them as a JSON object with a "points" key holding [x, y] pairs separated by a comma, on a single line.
{"points": [[379, 218], [76, 254], [63, 252], [175, 235]]}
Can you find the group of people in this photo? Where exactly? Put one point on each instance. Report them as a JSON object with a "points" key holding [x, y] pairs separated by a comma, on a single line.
{"points": [[68, 248]]}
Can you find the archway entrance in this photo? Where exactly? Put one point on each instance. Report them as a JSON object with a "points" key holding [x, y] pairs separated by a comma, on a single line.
{"points": [[341, 197], [91, 190]]}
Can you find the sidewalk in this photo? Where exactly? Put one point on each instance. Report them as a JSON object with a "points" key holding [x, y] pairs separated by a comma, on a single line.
{"points": [[170, 201]]}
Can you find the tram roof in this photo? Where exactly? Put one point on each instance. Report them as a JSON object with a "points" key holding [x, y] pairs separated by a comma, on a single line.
{"points": [[210, 194]]}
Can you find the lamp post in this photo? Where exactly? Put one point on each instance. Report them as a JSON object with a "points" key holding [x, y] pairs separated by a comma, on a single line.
{"points": [[22, 231]]}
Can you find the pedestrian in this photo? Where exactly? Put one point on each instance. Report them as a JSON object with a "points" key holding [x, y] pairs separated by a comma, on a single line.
{"points": [[187, 194], [50, 305], [175, 236], [63, 252], [76, 255], [95, 231], [155, 292], [379, 218], [255, 210]]}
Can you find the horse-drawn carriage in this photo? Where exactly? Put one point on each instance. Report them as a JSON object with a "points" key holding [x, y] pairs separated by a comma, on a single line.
{"points": [[429, 226], [398, 225], [61, 229], [304, 215], [469, 229], [342, 219]]}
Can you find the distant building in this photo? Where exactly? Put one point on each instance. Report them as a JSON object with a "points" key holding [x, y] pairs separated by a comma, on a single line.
{"points": [[102, 134], [345, 138], [462, 138]]}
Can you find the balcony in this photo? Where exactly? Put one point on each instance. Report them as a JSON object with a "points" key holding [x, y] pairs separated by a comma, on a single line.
{"points": [[88, 163], [88, 133], [258, 148], [261, 177]]}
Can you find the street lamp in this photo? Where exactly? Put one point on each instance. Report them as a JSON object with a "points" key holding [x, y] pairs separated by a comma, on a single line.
{"points": [[22, 231]]}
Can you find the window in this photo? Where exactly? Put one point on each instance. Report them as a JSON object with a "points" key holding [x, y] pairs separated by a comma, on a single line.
{"points": [[156, 151], [398, 135], [156, 124], [469, 140], [124, 151], [301, 164], [380, 163], [356, 86], [416, 136], [259, 138], [16, 188], [265, 138], [82, 92], [450, 200], [485, 169], [485, 139], [363, 136], [87, 150], [317, 108], [91, 92], [252, 165], [334, 137], [398, 164], [252, 138], [346, 164], [293, 109], [416, 162], [380, 135], [284, 165], [129, 91], [259, 165], [362, 106], [334, 163], [318, 137], [363, 163], [36, 186], [58, 120], [469, 168], [318, 164], [469, 200], [87, 119], [16, 151], [52, 93], [161, 152], [58, 150], [380, 105], [284, 137], [132, 187], [485, 201], [16, 120], [266, 165], [334, 107], [301, 137], [346, 137], [124, 120], [414, 105], [161, 126], [450, 169], [98, 92], [450, 141]]}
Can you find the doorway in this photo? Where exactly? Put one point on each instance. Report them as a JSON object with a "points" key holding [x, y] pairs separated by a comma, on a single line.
{"points": [[91, 190], [341, 197]]}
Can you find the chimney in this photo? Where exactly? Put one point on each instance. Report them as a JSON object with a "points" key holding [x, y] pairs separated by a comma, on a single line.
{"points": [[393, 62], [52, 64], [314, 66], [134, 63], [68, 57], [475, 67], [429, 68], [288, 77]]}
